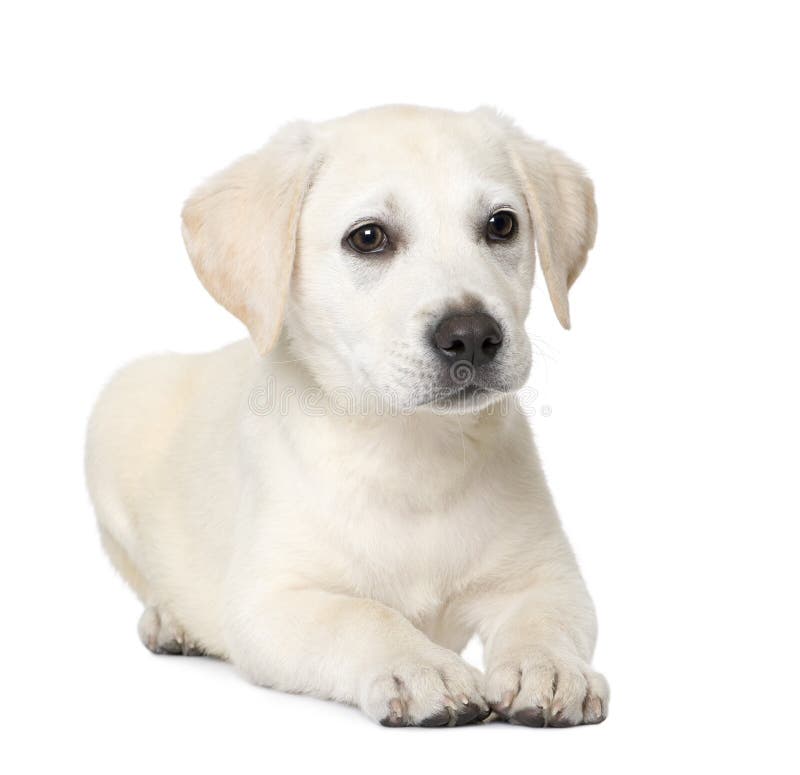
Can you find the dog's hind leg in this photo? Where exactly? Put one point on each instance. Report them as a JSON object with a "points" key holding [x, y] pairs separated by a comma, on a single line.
{"points": [[122, 561], [158, 630]]}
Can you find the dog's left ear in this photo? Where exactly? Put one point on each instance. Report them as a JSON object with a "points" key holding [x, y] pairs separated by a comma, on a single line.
{"points": [[240, 230], [560, 199]]}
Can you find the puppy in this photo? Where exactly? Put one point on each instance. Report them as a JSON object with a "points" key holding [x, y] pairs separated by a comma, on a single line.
{"points": [[338, 505]]}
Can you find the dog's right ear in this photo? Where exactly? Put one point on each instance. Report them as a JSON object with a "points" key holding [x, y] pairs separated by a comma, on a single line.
{"points": [[240, 230]]}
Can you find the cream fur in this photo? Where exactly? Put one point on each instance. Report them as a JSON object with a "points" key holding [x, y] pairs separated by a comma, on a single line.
{"points": [[351, 555]]}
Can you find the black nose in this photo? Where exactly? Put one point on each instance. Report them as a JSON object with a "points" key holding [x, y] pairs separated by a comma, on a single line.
{"points": [[474, 337]]}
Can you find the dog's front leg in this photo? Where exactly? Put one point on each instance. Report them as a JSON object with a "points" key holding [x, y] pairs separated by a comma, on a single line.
{"points": [[539, 637], [354, 650]]}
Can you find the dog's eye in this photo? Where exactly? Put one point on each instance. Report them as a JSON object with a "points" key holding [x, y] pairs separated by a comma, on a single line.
{"points": [[501, 226], [369, 238]]}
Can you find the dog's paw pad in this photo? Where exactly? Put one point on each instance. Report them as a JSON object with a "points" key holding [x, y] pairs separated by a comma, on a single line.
{"points": [[396, 715], [162, 635], [444, 693], [529, 717], [540, 690], [444, 718]]}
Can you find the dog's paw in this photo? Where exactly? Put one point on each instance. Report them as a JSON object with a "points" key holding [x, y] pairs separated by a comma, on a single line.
{"points": [[544, 690], [442, 692], [163, 635]]}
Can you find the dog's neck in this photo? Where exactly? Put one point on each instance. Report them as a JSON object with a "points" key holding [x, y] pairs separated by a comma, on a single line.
{"points": [[422, 460], [422, 457]]}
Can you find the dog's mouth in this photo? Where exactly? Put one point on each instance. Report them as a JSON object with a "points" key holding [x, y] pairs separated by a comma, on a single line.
{"points": [[460, 398], [462, 386], [456, 387]]}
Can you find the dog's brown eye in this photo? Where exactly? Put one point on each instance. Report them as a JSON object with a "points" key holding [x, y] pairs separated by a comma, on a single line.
{"points": [[369, 238], [501, 226]]}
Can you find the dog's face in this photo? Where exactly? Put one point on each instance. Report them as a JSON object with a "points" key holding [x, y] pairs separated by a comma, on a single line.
{"points": [[414, 263], [397, 247]]}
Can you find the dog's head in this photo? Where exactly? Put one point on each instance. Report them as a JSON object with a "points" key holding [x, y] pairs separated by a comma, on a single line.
{"points": [[396, 247]]}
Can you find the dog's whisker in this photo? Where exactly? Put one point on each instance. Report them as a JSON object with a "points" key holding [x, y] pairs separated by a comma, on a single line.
{"points": [[463, 443]]}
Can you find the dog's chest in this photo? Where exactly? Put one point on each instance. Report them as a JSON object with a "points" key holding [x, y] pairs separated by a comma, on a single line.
{"points": [[413, 562], [404, 523]]}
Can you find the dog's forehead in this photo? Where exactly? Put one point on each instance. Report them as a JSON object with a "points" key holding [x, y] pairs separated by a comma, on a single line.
{"points": [[416, 147]]}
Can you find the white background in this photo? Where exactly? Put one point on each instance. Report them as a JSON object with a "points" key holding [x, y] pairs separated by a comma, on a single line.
{"points": [[672, 443]]}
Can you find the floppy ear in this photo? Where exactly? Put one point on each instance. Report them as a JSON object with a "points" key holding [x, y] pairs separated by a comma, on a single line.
{"points": [[561, 204], [240, 230]]}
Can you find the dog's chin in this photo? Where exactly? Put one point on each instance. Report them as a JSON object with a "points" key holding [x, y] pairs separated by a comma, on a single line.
{"points": [[463, 399]]}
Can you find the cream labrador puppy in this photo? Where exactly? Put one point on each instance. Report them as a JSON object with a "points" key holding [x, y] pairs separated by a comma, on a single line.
{"points": [[337, 509]]}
